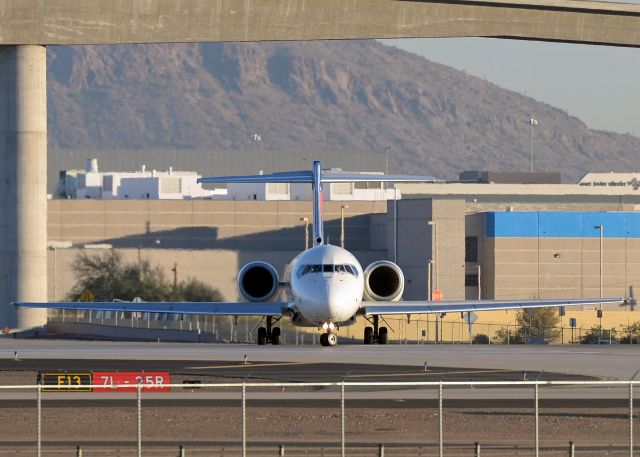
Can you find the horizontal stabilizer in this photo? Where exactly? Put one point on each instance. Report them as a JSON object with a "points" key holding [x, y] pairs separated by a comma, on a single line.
{"points": [[285, 177], [306, 177]]}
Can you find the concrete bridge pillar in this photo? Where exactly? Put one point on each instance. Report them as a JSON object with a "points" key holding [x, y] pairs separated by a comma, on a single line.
{"points": [[23, 183]]}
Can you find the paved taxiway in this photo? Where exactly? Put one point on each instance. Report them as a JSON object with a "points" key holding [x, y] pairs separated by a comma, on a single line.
{"points": [[283, 372], [618, 362], [351, 363]]}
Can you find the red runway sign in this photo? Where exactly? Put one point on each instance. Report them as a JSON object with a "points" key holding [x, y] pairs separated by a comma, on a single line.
{"points": [[153, 381]]}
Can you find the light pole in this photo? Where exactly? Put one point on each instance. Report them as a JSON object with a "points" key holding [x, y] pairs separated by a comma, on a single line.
{"points": [[532, 122], [395, 225], [54, 246], [306, 231], [342, 208], [429, 276], [600, 228], [434, 245], [175, 275]]}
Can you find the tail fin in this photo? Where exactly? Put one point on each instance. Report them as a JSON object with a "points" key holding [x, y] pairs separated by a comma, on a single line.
{"points": [[316, 178]]}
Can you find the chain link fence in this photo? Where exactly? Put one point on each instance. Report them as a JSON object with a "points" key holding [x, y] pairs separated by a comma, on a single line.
{"points": [[452, 418], [417, 330]]}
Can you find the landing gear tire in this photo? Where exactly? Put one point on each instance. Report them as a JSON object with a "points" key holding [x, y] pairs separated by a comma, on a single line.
{"points": [[275, 336], [262, 336], [328, 339], [383, 335], [332, 339], [368, 335]]}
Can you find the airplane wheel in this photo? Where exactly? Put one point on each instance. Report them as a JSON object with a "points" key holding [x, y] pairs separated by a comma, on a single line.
{"points": [[383, 335], [368, 335], [332, 339], [262, 336], [324, 340], [275, 336]]}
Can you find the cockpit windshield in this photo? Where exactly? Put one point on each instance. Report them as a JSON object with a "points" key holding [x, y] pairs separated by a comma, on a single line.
{"points": [[327, 268]]}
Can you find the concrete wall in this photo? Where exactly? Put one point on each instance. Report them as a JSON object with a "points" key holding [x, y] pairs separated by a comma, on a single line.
{"points": [[419, 243], [543, 258], [561, 268], [209, 240], [449, 236], [204, 224], [144, 21]]}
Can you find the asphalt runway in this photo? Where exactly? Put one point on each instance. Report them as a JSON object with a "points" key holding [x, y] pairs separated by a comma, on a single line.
{"points": [[275, 372], [616, 362], [350, 363], [224, 371]]}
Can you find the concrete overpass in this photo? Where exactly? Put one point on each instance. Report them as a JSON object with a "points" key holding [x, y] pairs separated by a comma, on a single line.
{"points": [[60, 22], [27, 26]]}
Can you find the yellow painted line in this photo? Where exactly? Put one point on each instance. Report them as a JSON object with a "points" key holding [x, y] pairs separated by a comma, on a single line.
{"points": [[423, 373], [246, 365]]}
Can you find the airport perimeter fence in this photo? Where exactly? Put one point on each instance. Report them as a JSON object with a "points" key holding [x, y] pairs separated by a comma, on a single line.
{"points": [[419, 330], [533, 418]]}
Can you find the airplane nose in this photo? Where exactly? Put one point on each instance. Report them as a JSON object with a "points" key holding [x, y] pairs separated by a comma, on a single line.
{"points": [[339, 302], [329, 301]]}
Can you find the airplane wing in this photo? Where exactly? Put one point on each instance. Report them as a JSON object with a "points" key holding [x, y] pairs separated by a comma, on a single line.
{"points": [[210, 308], [373, 308]]}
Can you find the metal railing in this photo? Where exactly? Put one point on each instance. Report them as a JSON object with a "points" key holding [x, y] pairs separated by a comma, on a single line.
{"points": [[440, 386], [420, 330]]}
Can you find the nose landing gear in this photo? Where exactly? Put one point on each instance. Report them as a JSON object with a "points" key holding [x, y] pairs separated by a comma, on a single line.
{"points": [[329, 338]]}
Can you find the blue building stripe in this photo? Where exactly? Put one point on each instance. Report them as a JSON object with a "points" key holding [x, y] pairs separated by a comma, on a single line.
{"points": [[633, 225], [614, 225], [512, 224], [561, 225]]}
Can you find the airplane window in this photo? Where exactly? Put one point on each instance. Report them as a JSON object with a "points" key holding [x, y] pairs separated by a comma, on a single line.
{"points": [[303, 270]]}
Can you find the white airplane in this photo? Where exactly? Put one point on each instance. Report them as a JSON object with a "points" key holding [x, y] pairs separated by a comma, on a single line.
{"points": [[324, 286]]}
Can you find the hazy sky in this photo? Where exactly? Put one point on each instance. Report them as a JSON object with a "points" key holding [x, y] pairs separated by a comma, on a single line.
{"points": [[598, 84]]}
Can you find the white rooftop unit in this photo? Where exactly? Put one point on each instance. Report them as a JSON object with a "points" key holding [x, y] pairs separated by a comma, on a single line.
{"points": [[142, 184]]}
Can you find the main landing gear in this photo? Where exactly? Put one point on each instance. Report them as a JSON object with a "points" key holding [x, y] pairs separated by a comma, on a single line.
{"points": [[269, 334], [376, 334]]}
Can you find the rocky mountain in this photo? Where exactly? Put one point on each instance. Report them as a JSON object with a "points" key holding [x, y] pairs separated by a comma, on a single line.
{"points": [[308, 96]]}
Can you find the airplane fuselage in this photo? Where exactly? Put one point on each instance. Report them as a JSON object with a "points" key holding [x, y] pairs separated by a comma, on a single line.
{"points": [[326, 286]]}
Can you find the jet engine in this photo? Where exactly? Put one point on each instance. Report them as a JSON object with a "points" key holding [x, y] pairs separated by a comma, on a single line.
{"points": [[383, 281], [258, 281]]}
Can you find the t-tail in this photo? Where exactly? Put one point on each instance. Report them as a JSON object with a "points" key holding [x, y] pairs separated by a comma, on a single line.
{"points": [[316, 177]]}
